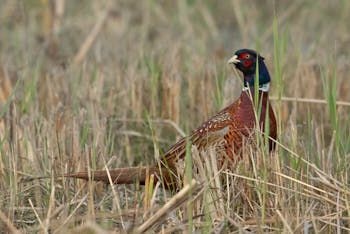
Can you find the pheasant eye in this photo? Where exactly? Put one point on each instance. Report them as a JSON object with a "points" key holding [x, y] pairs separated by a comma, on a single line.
{"points": [[247, 56]]}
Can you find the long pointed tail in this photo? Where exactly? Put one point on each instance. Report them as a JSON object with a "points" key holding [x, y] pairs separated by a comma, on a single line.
{"points": [[128, 175]]}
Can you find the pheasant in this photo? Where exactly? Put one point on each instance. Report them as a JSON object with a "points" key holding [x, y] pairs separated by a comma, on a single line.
{"points": [[226, 131]]}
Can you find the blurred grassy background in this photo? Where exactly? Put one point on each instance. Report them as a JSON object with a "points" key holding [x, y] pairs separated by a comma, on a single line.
{"points": [[101, 81]]}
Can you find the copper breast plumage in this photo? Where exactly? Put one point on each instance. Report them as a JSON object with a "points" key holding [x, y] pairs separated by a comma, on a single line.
{"points": [[228, 129]]}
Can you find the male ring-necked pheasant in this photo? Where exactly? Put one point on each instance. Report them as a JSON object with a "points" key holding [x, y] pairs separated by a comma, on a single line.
{"points": [[226, 131]]}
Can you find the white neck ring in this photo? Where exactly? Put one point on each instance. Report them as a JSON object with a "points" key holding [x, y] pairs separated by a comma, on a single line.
{"points": [[265, 87]]}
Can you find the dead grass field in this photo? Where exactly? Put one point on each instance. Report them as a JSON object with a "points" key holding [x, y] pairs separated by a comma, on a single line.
{"points": [[95, 84]]}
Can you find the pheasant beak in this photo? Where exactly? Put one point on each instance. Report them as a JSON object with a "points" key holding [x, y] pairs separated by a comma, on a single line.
{"points": [[234, 60]]}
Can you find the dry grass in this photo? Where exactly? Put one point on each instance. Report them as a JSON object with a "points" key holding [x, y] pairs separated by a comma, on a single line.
{"points": [[95, 84]]}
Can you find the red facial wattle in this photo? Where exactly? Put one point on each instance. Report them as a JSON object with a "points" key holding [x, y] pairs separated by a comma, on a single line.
{"points": [[246, 58]]}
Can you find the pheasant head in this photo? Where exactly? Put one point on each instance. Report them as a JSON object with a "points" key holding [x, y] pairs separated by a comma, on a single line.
{"points": [[245, 60]]}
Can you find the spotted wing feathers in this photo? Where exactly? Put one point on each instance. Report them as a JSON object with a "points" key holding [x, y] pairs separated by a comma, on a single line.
{"points": [[210, 133]]}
